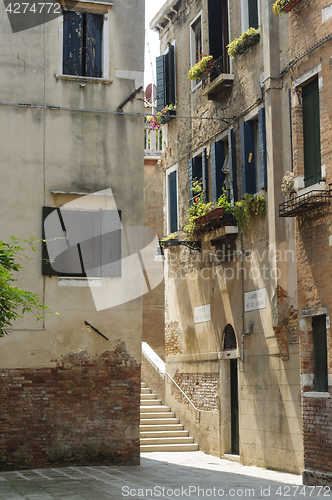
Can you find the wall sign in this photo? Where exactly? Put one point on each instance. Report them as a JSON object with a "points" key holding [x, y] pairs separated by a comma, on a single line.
{"points": [[202, 314], [254, 300]]}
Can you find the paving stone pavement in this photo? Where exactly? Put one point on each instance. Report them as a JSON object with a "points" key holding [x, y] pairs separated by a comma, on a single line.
{"points": [[168, 476]]}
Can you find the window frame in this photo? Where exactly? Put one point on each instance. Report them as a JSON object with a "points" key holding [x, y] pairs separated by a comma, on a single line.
{"points": [[245, 15], [196, 83], [99, 9], [168, 198]]}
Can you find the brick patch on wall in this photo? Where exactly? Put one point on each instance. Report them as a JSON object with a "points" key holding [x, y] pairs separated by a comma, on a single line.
{"points": [[152, 378], [83, 412], [172, 336], [201, 388]]}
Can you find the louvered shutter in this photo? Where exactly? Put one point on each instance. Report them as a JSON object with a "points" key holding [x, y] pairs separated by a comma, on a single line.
{"points": [[73, 43], [173, 202], [232, 165], [161, 76], [204, 176], [217, 175], [190, 175], [262, 148], [311, 133], [170, 77], [247, 131], [94, 34]]}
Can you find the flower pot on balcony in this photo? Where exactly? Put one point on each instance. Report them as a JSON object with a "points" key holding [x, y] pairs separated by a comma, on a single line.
{"points": [[288, 6], [215, 213]]}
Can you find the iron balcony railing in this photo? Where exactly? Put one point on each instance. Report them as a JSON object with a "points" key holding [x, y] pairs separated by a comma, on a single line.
{"points": [[304, 202]]}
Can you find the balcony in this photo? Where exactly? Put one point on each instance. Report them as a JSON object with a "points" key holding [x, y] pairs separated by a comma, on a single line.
{"points": [[152, 142], [218, 79], [215, 224], [290, 5], [304, 202]]}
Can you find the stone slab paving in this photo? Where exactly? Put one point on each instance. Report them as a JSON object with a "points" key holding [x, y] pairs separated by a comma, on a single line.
{"points": [[161, 475]]}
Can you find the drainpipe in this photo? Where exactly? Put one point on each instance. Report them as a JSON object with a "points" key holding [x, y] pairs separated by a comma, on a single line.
{"points": [[243, 324]]}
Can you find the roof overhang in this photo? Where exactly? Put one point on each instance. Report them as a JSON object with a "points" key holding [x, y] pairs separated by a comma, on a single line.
{"points": [[162, 15]]}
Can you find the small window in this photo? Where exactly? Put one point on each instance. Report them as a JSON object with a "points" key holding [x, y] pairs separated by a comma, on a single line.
{"points": [[250, 14], [172, 190], [320, 353], [218, 33], [82, 44], [196, 44], [80, 243]]}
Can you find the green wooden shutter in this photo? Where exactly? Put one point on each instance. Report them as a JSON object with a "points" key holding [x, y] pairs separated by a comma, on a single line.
{"points": [[204, 176], [232, 165], [320, 353], [311, 133], [161, 77], [173, 201], [253, 14], [72, 43], [247, 132], [170, 75], [262, 148], [93, 44]]}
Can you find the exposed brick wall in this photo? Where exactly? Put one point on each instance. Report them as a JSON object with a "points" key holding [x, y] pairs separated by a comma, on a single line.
{"points": [[172, 339], [84, 411], [152, 378], [201, 388], [317, 434]]}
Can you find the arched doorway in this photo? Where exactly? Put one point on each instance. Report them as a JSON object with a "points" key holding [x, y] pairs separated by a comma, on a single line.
{"points": [[230, 344]]}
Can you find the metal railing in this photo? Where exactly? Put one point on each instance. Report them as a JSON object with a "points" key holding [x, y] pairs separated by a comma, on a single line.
{"points": [[304, 202], [164, 374]]}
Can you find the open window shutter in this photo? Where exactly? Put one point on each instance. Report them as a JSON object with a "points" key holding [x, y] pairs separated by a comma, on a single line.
{"points": [[215, 22], [262, 148], [47, 269], [93, 44], [232, 165], [161, 77], [247, 131], [311, 133], [190, 174], [204, 176], [170, 80], [173, 202], [72, 43], [217, 175], [253, 14]]}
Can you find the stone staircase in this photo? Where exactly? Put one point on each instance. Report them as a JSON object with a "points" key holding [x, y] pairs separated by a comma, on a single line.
{"points": [[159, 429]]}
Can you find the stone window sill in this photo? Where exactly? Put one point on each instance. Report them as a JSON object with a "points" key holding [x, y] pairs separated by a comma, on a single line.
{"points": [[315, 394], [81, 79]]}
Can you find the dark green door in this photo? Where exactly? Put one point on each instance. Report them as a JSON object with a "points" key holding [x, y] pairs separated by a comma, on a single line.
{"points": [[311, 133], [320, 353], [234, 407]]}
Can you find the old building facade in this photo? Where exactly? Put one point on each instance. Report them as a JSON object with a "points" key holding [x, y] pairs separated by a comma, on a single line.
{"points": [[310, 25], [231, 327], [71, 121]]}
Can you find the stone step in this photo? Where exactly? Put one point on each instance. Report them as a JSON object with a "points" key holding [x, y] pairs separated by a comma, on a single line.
{"points": [[169, 447], [143, 384], [148, 402], [148, 396], [167, 440], [145, 390], [159, 421], [164, 434], [161, 428], [157, 416], [155, 408]]}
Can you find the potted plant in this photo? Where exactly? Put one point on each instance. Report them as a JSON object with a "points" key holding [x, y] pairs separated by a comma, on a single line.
{"points": [[203, 66], [281, 6], [242, 44], [246, 208], [162, 117]]}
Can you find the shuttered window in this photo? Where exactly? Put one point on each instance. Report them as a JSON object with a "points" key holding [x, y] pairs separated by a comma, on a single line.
{"points": [[165, 69], [81, 243], [82, 44], [218, 32], [217, 155], [311, 133], [232, 166], [173, 201], [320, 353]]}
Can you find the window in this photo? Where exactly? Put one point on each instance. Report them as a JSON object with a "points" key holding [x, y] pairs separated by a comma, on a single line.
{"points": [[82, 44], [197, 170], [219, 168], [218, 32], [253, 154], [249, 14], [81, 243], [172, 197], [165, 68], [311, 133], [196, 44], [320, 353]]}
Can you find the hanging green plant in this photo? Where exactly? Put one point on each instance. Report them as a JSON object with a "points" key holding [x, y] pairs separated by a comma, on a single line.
{"points": [[246, 208], [242, 44], [197, 209], [202, 67]]}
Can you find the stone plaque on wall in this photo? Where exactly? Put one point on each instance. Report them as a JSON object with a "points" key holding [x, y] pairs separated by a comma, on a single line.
{"points": [[202, 314], [254, 300]]}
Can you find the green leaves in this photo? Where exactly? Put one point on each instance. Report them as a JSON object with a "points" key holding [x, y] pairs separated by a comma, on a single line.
{"points": [[242, 44], [13, 299], [246, 208]]}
